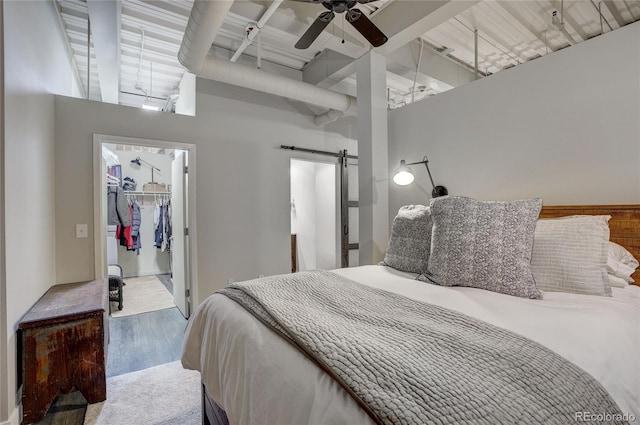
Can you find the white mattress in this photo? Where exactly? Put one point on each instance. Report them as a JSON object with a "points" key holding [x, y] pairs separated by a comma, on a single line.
{"points": [[258, 377]]}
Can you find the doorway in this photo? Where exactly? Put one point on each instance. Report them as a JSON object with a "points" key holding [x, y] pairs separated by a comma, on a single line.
{"points": [[152, 186], [315, 209]]}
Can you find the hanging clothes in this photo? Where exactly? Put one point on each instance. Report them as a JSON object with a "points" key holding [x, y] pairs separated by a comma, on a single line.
{"points": [[129, 184], [158, 222], [117, 207], [136, 223], [168, 226], [112, 214], [123, 233]]}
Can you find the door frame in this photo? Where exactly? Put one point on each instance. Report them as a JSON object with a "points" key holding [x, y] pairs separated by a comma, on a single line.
{"points": [[100, 205]]}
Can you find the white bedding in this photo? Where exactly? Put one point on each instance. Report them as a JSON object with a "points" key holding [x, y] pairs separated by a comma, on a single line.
{"points": [[258, 377]]}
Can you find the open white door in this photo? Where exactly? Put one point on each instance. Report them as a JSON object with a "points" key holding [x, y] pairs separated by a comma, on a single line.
{"points": [[179, 246]]}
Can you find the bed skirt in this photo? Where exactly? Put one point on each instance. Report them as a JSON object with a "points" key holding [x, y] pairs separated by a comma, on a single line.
{"points": [[212, 414]]}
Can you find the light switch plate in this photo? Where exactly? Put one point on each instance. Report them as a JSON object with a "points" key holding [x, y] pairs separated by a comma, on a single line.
{"points": [[82, 231]]}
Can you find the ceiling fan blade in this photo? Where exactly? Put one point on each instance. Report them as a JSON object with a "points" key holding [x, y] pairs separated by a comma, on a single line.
{"points": [[314, 30], [365, 27]]}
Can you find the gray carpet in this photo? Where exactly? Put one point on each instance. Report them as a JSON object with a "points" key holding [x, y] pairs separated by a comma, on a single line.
{"points": [[161, 395]]}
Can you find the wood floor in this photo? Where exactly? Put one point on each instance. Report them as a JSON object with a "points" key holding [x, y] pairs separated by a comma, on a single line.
{"points": [[67, 409], [166, 281], [144, 340]]}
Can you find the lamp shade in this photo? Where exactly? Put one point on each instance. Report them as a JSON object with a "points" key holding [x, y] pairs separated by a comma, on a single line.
{"points": [[403, 175]]}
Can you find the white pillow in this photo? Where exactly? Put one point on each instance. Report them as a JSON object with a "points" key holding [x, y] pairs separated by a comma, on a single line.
{"points": [[570, 255], [618, 269], [621, 263], [623, 256], [617, 282]]}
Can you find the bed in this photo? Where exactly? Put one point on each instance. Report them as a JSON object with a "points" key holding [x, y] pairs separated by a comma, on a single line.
{"points": [[250, 374]]}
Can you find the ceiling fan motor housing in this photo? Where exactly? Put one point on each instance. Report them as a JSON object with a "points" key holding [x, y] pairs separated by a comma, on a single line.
{"points": [[339, 6]]}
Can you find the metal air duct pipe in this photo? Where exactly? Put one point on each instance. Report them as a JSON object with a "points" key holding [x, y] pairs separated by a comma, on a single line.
{"points": [[204, 23], [202, 28]]}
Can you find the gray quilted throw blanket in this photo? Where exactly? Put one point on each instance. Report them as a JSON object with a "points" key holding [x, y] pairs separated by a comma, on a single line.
{"points": [[408, 362]]}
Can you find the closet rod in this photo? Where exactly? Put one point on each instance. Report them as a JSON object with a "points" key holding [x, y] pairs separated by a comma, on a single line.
{"points": [[336, 154], [142, 192]]}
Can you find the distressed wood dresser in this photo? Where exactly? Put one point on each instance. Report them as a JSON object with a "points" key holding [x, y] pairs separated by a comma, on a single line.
{"points": [[63, 344]]}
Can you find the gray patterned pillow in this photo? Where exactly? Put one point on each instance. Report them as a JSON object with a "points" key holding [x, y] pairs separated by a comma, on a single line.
{"points": [[570, 255], [410, 241], [483, 244]]}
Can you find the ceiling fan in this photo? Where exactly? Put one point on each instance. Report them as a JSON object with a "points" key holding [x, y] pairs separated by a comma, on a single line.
{"points": [[354, 16]]}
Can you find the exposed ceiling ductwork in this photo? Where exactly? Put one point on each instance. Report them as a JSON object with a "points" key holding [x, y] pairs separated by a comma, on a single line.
{"points": [[204, 23], [509, 33]]}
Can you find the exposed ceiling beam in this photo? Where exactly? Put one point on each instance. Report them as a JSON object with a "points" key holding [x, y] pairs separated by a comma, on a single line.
{"points": [[404, 21], [526, 24], [433, 65], [72, 59], [614, 12], [105, 31], [328, 68]]}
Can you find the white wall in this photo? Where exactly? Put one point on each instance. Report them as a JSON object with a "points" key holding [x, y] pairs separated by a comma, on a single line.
{"points": [[36, 67], [151, 259], [4, 398], [242, 188], [186, 103], [565, 127]]}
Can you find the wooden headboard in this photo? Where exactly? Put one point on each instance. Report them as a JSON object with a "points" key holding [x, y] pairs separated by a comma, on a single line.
{"points": [[624, 224]]}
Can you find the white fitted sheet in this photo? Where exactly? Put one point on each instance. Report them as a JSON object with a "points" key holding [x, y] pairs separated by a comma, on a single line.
{"points": [[258, 377]]}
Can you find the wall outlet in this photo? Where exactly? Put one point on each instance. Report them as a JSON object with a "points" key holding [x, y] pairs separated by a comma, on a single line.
{"points": [[260, 276], [230, 280], [82, 231]]}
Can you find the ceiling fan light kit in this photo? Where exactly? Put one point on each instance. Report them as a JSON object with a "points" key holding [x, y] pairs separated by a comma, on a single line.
{"points": [[354, 16]]}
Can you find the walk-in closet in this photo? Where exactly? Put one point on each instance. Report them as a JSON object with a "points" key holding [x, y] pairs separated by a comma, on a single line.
{"points": [[147, 256]]}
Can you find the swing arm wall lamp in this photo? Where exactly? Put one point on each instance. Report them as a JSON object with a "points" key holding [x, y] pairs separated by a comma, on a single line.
{"points": [[403, 176]]}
